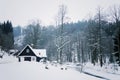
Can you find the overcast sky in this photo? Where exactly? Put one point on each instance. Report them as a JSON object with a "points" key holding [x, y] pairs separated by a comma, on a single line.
{"points": [[20, 12]]}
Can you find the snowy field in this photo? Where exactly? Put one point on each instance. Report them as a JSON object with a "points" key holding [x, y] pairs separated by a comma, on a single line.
{"points": [[11, 69], [37, 71]]}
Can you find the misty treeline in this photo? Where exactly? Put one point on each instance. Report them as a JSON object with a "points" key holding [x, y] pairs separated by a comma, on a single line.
{"points": [[95, 40], [6, 36]]}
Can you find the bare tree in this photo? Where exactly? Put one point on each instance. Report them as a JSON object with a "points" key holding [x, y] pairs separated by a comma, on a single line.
{"points": [[115, 11], [99, 36], [33, 32], [99, 18], [60, 38], [95, 37]]}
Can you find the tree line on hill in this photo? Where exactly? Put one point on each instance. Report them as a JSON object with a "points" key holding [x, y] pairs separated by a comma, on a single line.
{"points": [[6, 36]]}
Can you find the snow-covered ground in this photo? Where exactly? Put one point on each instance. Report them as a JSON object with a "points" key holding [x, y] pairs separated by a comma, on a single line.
{"points": [[11, 69], [8, 59], [37, 71], [109, 72]]}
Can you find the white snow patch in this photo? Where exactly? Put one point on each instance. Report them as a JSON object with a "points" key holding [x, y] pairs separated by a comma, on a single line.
{"points": [[8, 59]]}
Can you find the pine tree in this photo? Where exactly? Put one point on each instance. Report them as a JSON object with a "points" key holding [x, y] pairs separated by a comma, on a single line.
{"points": [[7, 38]]}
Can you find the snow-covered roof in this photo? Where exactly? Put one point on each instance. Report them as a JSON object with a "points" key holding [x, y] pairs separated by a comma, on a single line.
{"points": [[13, 50], [37, 52], [40, 52]]}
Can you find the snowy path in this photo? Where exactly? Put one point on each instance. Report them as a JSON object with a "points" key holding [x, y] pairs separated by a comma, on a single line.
{"points": [[108, 76], [101, 73], [37, 71], [95, 75]]}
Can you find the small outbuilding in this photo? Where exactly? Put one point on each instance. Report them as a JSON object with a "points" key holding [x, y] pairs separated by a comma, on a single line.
{"points": [[30, 54], [13, 51]]}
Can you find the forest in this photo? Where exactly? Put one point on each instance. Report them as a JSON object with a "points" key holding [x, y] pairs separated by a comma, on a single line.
{"points": [[6, 36], [95, 40]]}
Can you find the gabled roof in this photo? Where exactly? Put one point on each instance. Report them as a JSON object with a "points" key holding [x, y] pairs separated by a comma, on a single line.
{"points": [[24, 49], [40, 52], [37, 52]]}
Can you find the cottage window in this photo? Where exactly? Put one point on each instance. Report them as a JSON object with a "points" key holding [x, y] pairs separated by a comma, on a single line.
{"points": [[27, 50]]}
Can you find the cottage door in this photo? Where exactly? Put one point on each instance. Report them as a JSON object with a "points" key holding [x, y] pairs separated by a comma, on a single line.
{"points": [[27, 58]]}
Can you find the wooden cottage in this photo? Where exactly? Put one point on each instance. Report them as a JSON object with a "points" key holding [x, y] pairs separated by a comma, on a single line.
{"points": [[30, 54]]}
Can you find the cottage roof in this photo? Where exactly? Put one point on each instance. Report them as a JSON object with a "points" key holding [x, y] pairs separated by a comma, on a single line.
{"points": [[37, 52], [40, 52]]}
